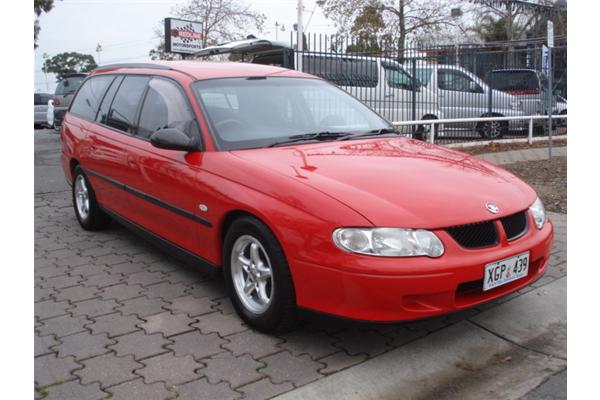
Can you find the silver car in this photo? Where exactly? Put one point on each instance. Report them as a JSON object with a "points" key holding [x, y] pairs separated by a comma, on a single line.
{"points": [[40, 109], [461, 94]]}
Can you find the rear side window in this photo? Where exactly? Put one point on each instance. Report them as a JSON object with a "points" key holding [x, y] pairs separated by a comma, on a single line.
{"points": [[342, 71], [513, 80], [165, 107], [107, 100], [125, 104], [86, 103]]}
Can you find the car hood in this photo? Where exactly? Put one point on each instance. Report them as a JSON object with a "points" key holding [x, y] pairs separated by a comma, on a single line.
{"points": [[399, 182]]}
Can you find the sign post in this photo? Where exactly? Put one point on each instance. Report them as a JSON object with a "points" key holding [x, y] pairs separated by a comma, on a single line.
{"points": [[550, 96], [183, 36]]}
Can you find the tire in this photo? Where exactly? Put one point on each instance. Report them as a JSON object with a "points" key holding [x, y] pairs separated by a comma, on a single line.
{"points": [[84, 199], [275, 310], [422, 131], [492, 129]]}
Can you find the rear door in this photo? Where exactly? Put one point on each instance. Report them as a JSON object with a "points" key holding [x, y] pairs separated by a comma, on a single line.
{"points": [[110, 140], [164, 192]]}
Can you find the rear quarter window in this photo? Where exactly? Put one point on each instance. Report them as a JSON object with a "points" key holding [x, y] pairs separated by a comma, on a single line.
{"points": [[86, 102]]}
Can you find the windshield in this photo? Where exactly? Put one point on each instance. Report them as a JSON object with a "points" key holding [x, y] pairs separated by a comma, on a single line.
{"points": [[259, 112], [513, 80], [69, 85]]}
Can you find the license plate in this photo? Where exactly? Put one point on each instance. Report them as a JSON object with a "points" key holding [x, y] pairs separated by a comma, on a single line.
{"points": [[502, 272]]}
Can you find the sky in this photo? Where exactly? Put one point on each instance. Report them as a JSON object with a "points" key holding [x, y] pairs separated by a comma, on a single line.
{"points": [[125, 29]]}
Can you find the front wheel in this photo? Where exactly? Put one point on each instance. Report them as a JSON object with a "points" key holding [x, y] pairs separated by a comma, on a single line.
{"points": [[257, 276], [492, 129]]}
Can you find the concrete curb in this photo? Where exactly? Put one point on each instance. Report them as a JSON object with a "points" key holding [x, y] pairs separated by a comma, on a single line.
{"points": [[489, 358]]}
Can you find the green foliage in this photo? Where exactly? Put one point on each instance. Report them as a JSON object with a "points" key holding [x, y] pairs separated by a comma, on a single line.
{"points": [[367, 28], [490, 29], [69, 63], [39, 6]]}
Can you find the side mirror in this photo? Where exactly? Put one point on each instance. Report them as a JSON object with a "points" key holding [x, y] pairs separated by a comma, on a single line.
{"points": [[173, 139]]}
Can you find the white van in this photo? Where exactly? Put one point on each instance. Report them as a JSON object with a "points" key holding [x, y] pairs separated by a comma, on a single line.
{"points": [[382, 84]]}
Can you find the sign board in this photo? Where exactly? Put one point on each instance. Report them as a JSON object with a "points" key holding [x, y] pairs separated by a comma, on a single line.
{"points": [[545, 64], [183, 36], [550, 34]]}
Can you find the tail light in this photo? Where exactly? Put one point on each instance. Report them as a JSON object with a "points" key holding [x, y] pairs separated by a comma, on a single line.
{"points": [[55, 102], [518, 92]]}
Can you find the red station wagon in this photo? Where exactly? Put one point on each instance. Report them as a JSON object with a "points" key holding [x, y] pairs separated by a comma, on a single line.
{"points": [[301, 195]]}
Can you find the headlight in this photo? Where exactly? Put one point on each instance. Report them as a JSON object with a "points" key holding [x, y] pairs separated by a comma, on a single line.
{"points": [[389, 242], [538, 212]]}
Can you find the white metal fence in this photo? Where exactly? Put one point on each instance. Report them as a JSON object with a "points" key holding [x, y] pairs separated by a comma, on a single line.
{"points": [[435, 123]]}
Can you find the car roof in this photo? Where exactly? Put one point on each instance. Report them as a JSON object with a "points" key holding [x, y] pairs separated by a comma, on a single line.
{"points": [[200, 70]]}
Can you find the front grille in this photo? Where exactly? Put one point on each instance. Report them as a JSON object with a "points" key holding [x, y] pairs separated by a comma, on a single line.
{"points": [[515, 225], [475, 236]]}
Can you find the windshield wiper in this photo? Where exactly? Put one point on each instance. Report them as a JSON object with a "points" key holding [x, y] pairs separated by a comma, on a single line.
{"points": [[373, 132], [325, 135]]}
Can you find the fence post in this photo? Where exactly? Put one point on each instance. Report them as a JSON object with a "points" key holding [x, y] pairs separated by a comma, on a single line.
{"points": [[530, 133], [414, 89], [432, 133]]}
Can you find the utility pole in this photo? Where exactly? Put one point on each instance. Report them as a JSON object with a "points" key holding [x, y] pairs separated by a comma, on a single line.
{"points": [[550, 39], [277, 30], [45, 57], [300, 40], [98, 50]]}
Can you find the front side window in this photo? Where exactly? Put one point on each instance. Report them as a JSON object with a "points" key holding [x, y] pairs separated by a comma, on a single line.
{"points": [[397, 78], [457, 81], [165, 107], [86, 103], [125, 104], [424, 75], [250, 113]]}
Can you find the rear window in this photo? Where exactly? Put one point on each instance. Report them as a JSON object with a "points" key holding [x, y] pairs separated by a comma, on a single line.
{"points": [[342, 71], [513, 80], [41, 99], [86, 103], [68, 85]]}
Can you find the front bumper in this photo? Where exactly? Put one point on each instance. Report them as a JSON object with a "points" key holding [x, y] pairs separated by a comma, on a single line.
{"points": [[414, 288]]}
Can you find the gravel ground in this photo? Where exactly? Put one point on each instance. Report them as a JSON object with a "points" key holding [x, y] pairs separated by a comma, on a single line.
{"points": [[549, 178], [499, 147]]}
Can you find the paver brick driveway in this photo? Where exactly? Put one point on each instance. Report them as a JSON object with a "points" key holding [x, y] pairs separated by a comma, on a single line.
{"points": [[114, 317]]}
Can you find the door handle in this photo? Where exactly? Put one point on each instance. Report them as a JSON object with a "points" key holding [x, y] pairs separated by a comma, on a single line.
{"points": [[387, 95]]}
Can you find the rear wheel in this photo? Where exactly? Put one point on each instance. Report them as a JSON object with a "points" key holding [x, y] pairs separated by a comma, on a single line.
{"points": [[88, 212], [422, 132], [258, 277], [492, 129]]}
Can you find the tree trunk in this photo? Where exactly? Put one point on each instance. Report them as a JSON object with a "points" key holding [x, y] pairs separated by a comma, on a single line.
{"points": [[402, 26]]}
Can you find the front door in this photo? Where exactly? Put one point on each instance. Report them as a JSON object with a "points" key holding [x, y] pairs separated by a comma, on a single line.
{"points": [[163, 187]]}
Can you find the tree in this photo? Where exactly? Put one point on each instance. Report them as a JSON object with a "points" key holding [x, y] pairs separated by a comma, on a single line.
{"points": [[368, 28], [40, 6], [69, 63], [401, 18], [518, 18]]}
